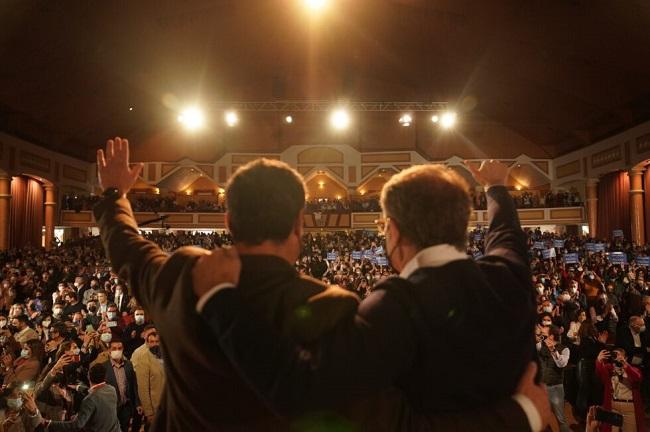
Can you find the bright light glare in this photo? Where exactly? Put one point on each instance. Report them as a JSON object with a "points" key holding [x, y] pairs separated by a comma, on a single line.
{"points": [[406, 120], [435, 119], [231, 118], [315, 5], [448, 120], [192, 118], [340, 119], [288, 119]]}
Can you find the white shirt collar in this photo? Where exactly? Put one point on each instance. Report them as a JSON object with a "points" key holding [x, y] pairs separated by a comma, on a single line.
{"points": [[433, 256]]}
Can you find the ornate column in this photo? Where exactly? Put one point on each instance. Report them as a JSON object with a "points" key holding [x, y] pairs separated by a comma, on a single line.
{"points": [[5, 201], [50, 214], [637, 220], [592, 205]]}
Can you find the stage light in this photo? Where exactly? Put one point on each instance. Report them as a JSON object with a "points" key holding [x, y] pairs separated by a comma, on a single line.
{"points": [[406, 120], [315, 5], [340, 119], [321, 184], [192, 118], [288, 119], [435, 118], [231, 118], [130, 108], [518, 187], [448, 120], [338, 197]]}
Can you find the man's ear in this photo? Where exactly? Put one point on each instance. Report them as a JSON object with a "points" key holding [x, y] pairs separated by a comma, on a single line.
{"points": [[393, 229], [226, 219], [298, 225]]}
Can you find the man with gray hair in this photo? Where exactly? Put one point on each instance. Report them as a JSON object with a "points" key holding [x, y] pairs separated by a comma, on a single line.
{"points": [[451, 333]]}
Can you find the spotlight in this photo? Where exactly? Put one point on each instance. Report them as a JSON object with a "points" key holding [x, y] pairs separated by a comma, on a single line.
{"points": [[288, 119], [340, 119], [192, 118], [448, 120], [406, 120], [315, 5], [435, 119], [231, 118]]}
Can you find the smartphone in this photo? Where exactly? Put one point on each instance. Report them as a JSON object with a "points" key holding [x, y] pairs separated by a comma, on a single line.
{"points": [[609, 417], [27, 388]]}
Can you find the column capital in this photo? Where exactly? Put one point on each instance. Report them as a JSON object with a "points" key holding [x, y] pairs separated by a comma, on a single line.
{"points": [[636, 171], [49, 187]]}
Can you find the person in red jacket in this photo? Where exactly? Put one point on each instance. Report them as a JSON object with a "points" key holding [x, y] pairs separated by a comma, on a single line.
{"points": [[622, 389]]}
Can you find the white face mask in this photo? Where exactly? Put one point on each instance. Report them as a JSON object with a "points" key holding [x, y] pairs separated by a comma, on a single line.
{"points": [[540, 290], [76, 284], [46, 323], [546, 323], [3, 323], [139, 319], [106, 337], [57, 312], [15, 404], [24, 353], [116, 355], [111, 315], [76, 351], [548, 309]]}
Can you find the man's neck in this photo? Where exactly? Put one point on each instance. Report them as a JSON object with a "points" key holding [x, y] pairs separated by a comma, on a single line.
{"points": [[267, 248]]}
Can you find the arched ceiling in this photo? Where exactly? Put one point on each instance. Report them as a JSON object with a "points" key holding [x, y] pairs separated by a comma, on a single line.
{"points": [[534, 77]]}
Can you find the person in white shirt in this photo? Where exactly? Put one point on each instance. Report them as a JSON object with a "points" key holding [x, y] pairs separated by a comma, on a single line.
{"points": [[553, 358], [574, 327]]}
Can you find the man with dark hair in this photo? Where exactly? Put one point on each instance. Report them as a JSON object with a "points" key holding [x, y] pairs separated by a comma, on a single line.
{"points": [[484, 309], [553, 358], [23, 332], [97, 412], [121, 375]]}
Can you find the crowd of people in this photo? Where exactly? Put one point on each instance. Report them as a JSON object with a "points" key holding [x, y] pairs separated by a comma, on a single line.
{"points": [[160, 203], [65, 310]]}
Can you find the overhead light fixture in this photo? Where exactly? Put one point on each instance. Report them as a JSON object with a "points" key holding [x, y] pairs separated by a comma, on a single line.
{"points": [[406, 120], [435, 118], [315, 5], [288, 119], [340, 119], [192, 118], [231, 118], [448, 120], [321, 184]]}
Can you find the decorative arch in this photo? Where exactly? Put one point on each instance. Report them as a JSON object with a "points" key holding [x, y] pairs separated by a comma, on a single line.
{"points": [[320, 155], [323, 184]]}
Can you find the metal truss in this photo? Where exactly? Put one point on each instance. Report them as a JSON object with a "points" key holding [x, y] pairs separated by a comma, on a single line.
{"points": [[301, 106]]}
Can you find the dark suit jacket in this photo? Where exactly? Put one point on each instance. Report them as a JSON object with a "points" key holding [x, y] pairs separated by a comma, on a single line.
{"points": [[131, 382], [97, 413], [195, 365], [458, 339], [625, 340], [122, 305]]}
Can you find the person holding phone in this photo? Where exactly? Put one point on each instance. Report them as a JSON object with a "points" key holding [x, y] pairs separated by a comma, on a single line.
{"points": [[621, 389]]}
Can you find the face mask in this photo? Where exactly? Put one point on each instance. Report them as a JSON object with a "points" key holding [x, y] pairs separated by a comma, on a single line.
{"points": [[15, 404], [546, 323], [57, 312], [540, 290], [155, 350], [592, 277], [76, 351], [574, 290], [106, 337], [92, 309], [139, 319], [76, 284], [542, 280], [641, 329], [24, 353], [46, 324], [548, 309], [116, 355], [111, 315], [626, 280], [3, 323], [565, 297]]}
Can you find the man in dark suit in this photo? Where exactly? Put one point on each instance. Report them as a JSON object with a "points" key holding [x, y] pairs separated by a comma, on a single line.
{"points": [[268, 227], [97, 412], [121, 299], [458, 334], [121, 375]]}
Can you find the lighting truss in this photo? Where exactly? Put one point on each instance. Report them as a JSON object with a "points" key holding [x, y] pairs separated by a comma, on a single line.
{"points": [[301, 106]]}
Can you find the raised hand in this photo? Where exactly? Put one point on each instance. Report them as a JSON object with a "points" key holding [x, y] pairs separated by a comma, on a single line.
{"points": [[113, 166], [490, 173]]}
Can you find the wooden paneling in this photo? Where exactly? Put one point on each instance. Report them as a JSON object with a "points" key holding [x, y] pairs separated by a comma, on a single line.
{"points": [[568, 169], [365, 170], [525, 215], [352, 174], [73, 173], [385, 157], [151, 174], [207, 169], [569, 213], [542, 165], [605, 157], [166, 169], [643, 143], [305, 169], [218, 219], [34, 161], [320, 155], [338, 170]]}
